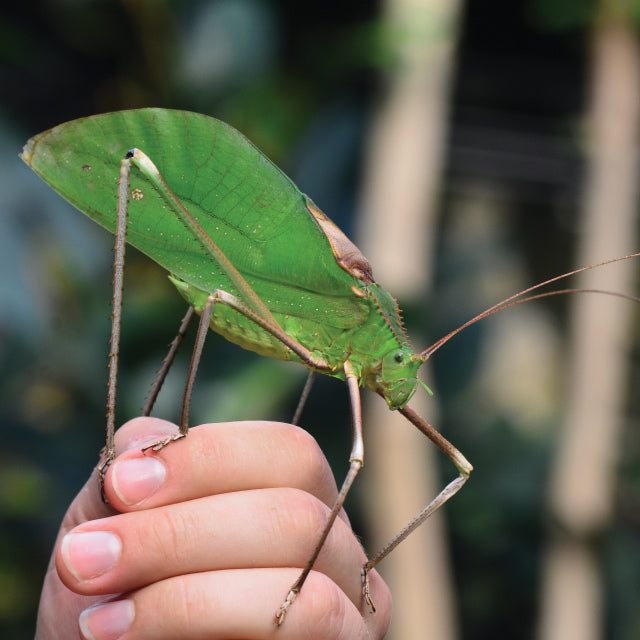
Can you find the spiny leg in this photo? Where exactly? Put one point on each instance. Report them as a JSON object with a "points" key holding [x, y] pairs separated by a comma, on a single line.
{"points": [[357, 451], [304, 396], [116, 318], [464, 469], [250, 305], [223, 297], [356, 460], [167, 362], [251, 299], [301, 351], [203, 328]]}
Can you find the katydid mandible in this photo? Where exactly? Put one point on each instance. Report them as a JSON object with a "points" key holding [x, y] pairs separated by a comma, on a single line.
{"points": [[200, 200]]}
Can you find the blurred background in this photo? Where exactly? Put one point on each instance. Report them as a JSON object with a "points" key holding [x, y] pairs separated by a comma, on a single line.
{"points": [[471, 149]]}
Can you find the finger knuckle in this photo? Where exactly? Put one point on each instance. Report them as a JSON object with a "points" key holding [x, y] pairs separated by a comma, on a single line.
{"points": [[168, 534], [300, 513], [309, 456], [327, 609]]}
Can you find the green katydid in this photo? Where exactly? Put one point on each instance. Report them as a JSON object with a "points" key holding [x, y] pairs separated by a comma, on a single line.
{"points": [[199, 199]]}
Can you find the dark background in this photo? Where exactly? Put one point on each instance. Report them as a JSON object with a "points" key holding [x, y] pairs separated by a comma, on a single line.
{"points": [[301, 82]]}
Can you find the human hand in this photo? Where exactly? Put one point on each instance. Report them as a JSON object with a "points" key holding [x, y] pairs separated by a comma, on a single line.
{"points": [[212, 532]]}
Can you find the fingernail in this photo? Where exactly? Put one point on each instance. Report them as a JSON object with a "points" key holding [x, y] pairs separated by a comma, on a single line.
{"points": [[106, 620], [90, 554], [137, 478], [140, 440]]}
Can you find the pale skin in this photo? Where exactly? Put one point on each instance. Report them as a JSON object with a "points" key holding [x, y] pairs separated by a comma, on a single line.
{"points": [[211, 550]]}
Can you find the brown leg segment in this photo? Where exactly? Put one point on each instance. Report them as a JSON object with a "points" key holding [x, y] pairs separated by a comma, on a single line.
{"points": [[464, 468], [203, 328], [167, 362], [304, 396], [116, 318], [356, 460]]}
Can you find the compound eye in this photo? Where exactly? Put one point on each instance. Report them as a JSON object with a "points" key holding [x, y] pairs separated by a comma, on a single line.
{"points": [[399, 357]]}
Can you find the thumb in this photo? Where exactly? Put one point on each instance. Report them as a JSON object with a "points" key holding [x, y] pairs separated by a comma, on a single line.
{"points": [[59, 607], [88, 504]]}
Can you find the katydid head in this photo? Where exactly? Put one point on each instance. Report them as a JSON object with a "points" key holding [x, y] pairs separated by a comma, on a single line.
{"points": [[398, 378]]}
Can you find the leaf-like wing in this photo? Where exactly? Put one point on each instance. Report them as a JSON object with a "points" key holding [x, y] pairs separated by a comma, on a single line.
{"points": [[253, 212]]}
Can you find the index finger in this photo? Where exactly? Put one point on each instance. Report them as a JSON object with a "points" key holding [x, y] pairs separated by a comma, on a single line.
{"points": [[212, 459]]}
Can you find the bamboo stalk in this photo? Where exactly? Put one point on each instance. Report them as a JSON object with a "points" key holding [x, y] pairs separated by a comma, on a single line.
{"points": [[397, 228], [583, 479]]}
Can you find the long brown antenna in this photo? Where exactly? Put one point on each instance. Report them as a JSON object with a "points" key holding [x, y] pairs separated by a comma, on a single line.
{"points": [[513, 300]]}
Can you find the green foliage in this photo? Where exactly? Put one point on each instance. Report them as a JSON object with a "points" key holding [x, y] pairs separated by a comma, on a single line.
{"points": [[569, 14], [576, 14]]}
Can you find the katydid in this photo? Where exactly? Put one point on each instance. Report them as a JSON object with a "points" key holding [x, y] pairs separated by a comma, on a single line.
{"points": [[200, 200]]}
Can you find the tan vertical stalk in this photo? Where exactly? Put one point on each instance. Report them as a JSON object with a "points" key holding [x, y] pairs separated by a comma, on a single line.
{"points": [[398, 206], [583, 479]]}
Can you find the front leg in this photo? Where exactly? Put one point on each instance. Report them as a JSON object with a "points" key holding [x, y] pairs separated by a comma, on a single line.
{"points": [[356, 460], [464, 468]]}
